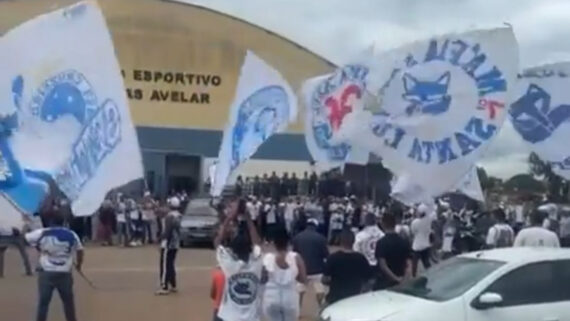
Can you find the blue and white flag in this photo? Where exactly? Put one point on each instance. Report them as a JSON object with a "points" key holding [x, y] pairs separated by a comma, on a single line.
{"points": [[540, 113], [65, 115], [442, 101], [264, 104], [328, 100]]}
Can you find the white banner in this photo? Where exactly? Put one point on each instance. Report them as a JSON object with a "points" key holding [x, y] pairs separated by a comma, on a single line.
{"points": [[470, 186], [540, 113], [64, 102], [264, 105], [442, 102], [328, 100], [409, 193]]}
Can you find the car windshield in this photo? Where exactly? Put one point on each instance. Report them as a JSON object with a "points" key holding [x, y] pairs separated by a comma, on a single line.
{"points": [[449, 279], [199, 206]]}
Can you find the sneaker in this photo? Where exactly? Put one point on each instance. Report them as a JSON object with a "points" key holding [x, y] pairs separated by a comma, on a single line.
{"points": [[162, 292], [174, 290]]}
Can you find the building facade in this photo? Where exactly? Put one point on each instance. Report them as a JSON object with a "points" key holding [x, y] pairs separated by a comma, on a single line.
{"points": [[181, 64]]}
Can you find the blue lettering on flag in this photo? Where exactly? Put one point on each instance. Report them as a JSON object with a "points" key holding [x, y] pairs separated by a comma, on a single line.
{"points": [[431, 97]]}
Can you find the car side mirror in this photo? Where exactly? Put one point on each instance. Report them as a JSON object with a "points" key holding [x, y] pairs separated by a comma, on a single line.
{"points": [[488, 300]]}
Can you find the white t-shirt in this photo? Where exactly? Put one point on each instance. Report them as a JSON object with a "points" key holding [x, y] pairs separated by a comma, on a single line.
{"points": [[337, 221], [404, 231], [421, 229], [271, 217], [57, 246], [333, 207], [121, 213], [365, 243], [251, 210], [289, 212], [134, 215], [536, 237], [148, 211], [519, 214], [500, 235], [242, 290]]}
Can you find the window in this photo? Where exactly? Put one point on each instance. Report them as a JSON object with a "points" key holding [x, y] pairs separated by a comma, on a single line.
{"points": [[562, 285], [449, 279], [531, 284]]}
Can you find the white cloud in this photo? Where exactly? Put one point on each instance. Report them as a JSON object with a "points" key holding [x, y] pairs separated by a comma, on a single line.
{"points": [[337, 29]]}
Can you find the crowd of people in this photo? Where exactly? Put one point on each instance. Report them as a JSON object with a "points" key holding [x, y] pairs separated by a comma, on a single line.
{"points": [[270, 250], [379, 248], [325, 184]]}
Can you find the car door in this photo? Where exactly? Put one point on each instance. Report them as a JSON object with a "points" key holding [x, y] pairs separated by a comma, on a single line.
{"points": [[561, 308], [532, 292]]}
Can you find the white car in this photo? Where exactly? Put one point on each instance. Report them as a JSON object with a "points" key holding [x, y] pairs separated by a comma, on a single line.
{"points": [[518, 284]]}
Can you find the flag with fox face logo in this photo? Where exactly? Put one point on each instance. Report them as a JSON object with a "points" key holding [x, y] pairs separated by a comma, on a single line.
{"points": [[442, 101]]}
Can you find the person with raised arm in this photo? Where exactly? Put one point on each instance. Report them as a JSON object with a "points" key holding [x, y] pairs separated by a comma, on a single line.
{"points": [[239, 255]]}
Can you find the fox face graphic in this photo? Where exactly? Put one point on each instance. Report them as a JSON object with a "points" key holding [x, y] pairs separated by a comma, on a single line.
{"points": [[427, 97]]}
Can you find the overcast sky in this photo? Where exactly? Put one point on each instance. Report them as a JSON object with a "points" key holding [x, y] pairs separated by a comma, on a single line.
{"points": [[337, 29]]}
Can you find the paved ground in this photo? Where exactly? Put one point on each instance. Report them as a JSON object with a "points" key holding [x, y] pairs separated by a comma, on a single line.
{"points": [[127, 278]]}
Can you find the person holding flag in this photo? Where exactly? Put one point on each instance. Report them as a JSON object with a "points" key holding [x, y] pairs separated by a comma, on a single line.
{"points": [[57, 246]]}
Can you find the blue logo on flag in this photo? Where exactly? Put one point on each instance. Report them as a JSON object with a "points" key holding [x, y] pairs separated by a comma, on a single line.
{"points": [[259, 116], [66, 93], [426, 97], [533, 116]]}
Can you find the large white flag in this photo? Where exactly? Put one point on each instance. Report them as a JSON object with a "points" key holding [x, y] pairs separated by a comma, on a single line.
{"points": [[470, 186], [328, 100], [406, 191], [540, 113], [264, 104], [64, 110], [442, 102]]}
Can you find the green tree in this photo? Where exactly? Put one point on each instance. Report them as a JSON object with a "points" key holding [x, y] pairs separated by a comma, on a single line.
{"points": [[524, 183], [557, 186], [487, 182]]}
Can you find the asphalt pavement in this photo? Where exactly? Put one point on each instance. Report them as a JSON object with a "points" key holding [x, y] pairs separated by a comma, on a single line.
{"points": [[125, 281]]}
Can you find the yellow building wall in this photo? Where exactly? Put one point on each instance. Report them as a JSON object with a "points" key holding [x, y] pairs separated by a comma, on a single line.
{"points": [[181, 63]]}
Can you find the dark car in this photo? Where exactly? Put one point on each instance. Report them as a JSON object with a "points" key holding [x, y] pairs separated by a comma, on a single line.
{"points": [[199, 223]]}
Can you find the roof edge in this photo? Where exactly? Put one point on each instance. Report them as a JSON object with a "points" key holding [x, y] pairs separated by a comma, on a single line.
{"points": [[181, 2]]}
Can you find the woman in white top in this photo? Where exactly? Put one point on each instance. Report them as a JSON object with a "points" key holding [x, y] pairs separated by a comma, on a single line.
{"points": [[284, 270]]}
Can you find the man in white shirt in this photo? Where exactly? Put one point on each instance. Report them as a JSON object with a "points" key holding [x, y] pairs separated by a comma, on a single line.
{"points": [[565, 228], [57, 246], [536, 235], [169, 244], [123, 227], [289, 214], [335, 227], [242, 264], [149, 217], [365, 240], [501, 234], [421, 229]]}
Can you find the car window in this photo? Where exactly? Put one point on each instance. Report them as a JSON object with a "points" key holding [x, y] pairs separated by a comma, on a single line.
{"points": [[531, 284], [199, 206], [449, 279], [562, 284]]}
